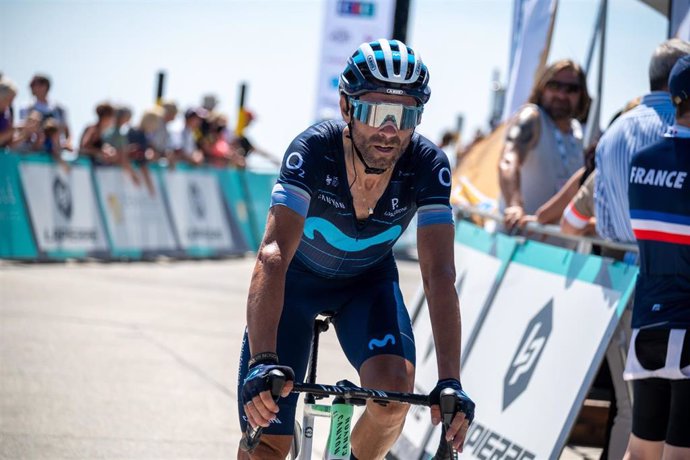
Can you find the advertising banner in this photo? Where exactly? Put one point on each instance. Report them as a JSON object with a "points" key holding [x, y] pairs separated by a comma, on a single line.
{"points": [[63, 208], [16, 240], [136, 219], [539, 348], [347, 24], [198, 214], [480, 260]]}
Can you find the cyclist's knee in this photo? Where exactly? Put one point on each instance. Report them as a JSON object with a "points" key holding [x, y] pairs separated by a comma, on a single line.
{"points": [[270, 447], [392, 414]]}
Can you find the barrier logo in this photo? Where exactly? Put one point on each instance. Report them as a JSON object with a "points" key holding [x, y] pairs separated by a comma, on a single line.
{"points": [[196, 201], [528, 354], [63, 197]]}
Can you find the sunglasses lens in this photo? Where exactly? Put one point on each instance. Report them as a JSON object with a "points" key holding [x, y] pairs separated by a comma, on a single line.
{"points": [[570, 88], [376, 115]]}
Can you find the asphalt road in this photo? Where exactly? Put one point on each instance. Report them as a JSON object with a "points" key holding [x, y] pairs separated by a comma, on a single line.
{"points": [[132, 361]]}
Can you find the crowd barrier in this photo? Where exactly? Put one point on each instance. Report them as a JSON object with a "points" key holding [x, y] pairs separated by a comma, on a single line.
{"points": [[48, 212], [537, 320]]}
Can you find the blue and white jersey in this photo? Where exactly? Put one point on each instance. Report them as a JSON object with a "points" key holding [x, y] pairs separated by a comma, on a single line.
{"points": [[659, 195], [634, 130], [313, 182]]}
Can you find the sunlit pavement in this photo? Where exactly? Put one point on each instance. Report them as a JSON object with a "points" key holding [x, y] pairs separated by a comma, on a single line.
{"points": [[133, 361]]}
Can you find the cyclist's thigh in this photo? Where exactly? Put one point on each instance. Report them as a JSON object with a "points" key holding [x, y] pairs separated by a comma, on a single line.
{"points": [[375, 321], [271, 447]]}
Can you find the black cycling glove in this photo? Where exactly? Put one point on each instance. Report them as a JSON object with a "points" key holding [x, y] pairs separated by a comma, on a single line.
{"points": [[258, 379], [463, 403]]}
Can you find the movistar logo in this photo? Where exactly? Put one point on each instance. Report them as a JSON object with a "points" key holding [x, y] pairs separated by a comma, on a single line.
{"points": [[336, 238], [376, 343]]}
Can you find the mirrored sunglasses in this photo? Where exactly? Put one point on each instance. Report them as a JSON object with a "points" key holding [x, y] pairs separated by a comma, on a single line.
{"points": [[376, 114], [570, 88]]}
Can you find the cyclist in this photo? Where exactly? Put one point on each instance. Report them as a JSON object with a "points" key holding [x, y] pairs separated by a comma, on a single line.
{"points": [[346, 192]]}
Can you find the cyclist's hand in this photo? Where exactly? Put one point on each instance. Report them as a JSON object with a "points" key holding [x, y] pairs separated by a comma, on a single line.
{"points": [[259, 405], [464, 411]]}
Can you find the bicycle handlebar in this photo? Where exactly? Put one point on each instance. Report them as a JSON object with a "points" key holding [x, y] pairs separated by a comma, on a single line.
{"points": [[353, 394]]}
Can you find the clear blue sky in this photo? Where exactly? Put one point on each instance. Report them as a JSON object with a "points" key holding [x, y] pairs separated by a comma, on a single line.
{"points": [[97, 50]]}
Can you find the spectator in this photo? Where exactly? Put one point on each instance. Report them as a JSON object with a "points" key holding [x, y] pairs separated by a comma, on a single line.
{"points": [[636, 129], [117, 134], [187, 148], [578, 215], [7, 94], [92, 144], [140, 150], [244, 146], [632, 131], [161, 140], [29, 137], [659, 355], [448, 141], [51, 142], [40, 86], [544, 142], [217, 150]]}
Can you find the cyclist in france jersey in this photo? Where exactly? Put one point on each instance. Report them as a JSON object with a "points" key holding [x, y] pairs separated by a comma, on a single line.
{"points": [[346, 192]]}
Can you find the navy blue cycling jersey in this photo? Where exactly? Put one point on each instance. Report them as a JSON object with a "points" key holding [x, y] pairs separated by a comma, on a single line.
{"points": [[313, 182], [659, 192]]}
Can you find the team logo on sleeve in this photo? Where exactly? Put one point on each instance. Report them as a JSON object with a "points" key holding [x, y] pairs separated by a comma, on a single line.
{"points": [[294, 161], [444, 177]]}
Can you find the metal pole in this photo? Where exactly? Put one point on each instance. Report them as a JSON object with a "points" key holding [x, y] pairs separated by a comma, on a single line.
{"points": [[593, 41], [402, 13], [160, 86]]}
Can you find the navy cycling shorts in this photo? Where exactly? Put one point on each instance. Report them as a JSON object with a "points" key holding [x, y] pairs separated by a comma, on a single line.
{"points": [[370, 319]]}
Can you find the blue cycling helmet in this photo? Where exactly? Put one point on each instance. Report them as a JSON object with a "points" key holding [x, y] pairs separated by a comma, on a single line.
{"points": [[386, 66]]}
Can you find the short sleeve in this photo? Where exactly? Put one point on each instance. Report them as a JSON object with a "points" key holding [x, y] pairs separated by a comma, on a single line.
{"points": [[433, 195], [300, 166]]}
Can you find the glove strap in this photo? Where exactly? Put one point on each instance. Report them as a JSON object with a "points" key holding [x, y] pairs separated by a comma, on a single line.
{"points": [[267, 357]]}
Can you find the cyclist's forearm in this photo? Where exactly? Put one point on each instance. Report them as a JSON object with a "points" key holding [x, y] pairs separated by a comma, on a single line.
{"points": [[265, 305], [445, 322]]}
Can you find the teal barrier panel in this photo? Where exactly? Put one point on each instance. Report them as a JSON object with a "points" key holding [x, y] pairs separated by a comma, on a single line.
{"points": [[137, 221], [16, 238], [259, 186], [63, 208], [540, 346], [202, 223], [234, 189]]}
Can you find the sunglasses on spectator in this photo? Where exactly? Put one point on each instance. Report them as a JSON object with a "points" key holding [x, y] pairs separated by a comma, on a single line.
{"points": [[376, 114], [570, 88]]}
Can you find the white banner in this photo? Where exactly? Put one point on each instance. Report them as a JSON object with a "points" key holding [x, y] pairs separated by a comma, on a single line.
{"points": [[536, 349], [135, 218], [476, 272], [531, 41], [63, 207], [347, 24], [197, 210]]}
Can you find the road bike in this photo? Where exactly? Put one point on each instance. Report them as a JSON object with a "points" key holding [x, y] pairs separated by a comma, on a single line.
{"points": [[345, 395]]}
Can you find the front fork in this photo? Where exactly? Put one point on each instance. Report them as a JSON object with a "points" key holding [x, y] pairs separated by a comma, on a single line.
{"points": [[338, 445]]}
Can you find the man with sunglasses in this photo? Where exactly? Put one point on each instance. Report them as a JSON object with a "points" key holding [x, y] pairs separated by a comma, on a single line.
{"points": [[346, 192], [543, 147]]}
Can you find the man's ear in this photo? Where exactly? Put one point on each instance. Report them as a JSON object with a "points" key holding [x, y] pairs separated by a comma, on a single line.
{"points": [[345, 107]]}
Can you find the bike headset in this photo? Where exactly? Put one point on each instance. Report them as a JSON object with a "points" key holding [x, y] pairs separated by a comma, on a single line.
{"points": [[388, 67]]}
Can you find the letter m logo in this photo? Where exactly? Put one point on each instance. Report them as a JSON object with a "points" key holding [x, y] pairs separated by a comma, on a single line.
{"points": [[527, 354]]}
